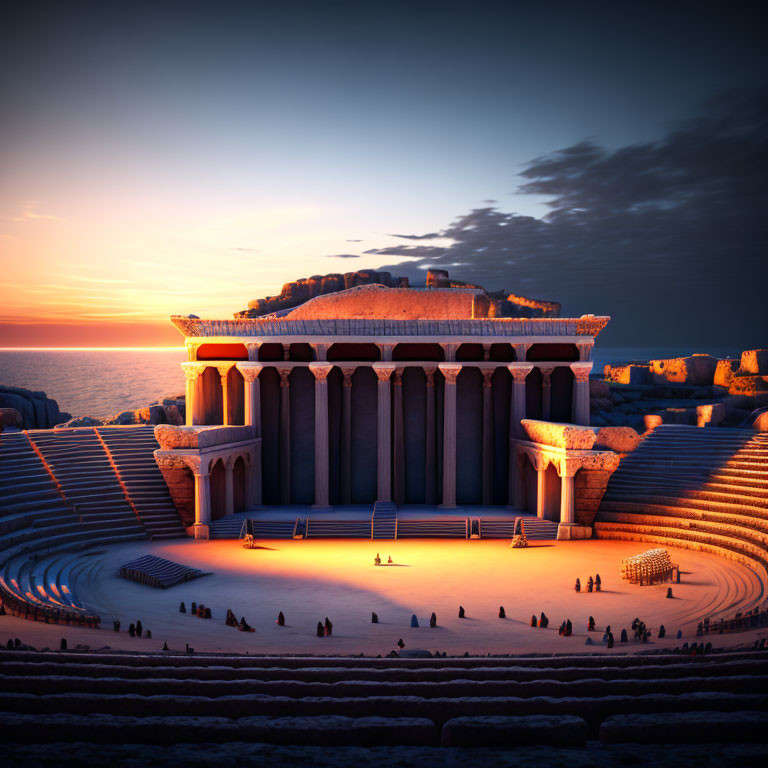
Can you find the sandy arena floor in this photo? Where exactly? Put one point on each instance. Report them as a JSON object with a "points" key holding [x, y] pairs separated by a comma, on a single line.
{"points": [[309, 580]]}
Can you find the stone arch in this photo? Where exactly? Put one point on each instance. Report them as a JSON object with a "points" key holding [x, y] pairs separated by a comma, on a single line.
{"points": [[236, 396], [552, 493], [212, 396], [218, 489]]}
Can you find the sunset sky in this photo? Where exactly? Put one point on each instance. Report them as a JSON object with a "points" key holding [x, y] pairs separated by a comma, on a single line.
{"points": [[180, 157]]}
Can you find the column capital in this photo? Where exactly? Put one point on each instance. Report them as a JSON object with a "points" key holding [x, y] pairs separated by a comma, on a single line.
{"points": [[253, 349], [585, 349], [250, 371], [581, 370], [449, 348], [348, 371], [193, 370], [320, 370], [199, 465], [546, 373], [224, 369], [321, 350], [487, 376], [520, 371], [450, 371], [397, 377], [429, 372], [486, 351], [521, 350], [285, 374], [383, 370], [568, 467], [286, 352], [386, 349], [192, 347]]}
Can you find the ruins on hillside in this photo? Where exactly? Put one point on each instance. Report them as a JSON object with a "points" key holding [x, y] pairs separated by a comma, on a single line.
{"points": [[363, 389]]}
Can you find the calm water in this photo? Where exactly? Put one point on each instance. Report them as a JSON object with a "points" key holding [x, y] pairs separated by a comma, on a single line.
{"points": [[104, 382]]}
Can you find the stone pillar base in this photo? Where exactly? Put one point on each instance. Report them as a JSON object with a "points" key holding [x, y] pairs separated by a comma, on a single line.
{"points": [[571, 531], [201, 531]]}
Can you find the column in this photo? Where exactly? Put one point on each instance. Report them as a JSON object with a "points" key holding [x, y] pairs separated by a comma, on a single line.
{"points": [[541, 489], [229, 486], [487, 436], [429, 470], [585, 350], [346, 436], [193, 399], [321, 351], [320, 371], [521, 350], [546, 392], [202, 502], [226, 416], [567, 512], [253, 350], [253, 478], [581, 393], [450, 349], [386, 351], [384, 432], [252, 395], [519, 373], [285, 435], [450, 372], [398, 437], [192, 348], [486, 352], [286, 352]]}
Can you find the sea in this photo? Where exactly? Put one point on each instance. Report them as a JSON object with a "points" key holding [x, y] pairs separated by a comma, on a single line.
{"points": [[103, 382]]}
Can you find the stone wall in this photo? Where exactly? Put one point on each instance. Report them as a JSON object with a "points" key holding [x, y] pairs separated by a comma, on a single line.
{"points": [[589, 487], [181, 486], [37, 410]]}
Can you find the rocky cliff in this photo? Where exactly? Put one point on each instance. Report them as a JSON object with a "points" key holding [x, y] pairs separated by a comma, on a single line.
{"points": [[37, 410]]}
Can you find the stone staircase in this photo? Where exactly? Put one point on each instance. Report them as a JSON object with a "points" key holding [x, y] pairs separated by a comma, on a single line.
{"points": [[132, 452], [188, 706], [231, 527], [432, 528], [338, 529], [693, 487], [384, 521]]}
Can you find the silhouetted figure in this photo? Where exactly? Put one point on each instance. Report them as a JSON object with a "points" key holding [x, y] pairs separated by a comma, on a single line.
{"points": [[193, 608], [400, 644], [624, 637], [374, 618], [568, 628], [182, 607], [707, 647], [502, 612], [561, 631], [662, 632], [433, 620], [377, 559], [461, 611], [139, 630], [231, 620], [280, 619], [598, 582], [189, 649], [390, 560], [328, 627], [132, 630], [116, 625], [244, 626], [577, 586], [9, 644], [610, 640], [588, 641], [591, 624], [414, 621], [149, 634], [533, 620], [165, 646], [700, 629], [208, 614], [543, 620], [201, 611], [63, 644], [320, 629], [669, 593], [679, 634], [590, 584]]}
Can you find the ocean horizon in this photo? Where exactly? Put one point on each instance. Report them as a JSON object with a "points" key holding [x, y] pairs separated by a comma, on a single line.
{"points": [[102, 381]]}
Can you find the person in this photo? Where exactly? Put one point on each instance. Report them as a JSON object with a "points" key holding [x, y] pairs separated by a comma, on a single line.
{"points": [[377, 559], [577, 586], [374, 618], [414, 621], [561, 631], [132, 630], [590, 584], [591, 624], [280, 619], [533, 620], [231, 620], [320, 629], [63, 644], [193, 609], [433, 620], [679, 634], [461, 611], [662, 632], [208, 614], [390, 560], [610, 640], [244, 626], [139, 630], [543, 620], [568, 628], [165, 646], [149, 634], [400, 644], [624, 637], [669, 593], [328, 627], [502, 612], [182, 607], [598, 582]]}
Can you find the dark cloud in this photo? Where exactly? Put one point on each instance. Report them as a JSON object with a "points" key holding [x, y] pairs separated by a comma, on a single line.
{"points": [[668, 237], [428, 236], [343, 256]]}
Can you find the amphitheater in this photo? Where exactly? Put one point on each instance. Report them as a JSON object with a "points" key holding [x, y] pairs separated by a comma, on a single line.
{"points": [[78, 503]]}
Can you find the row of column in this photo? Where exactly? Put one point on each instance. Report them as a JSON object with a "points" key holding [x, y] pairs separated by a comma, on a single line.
{"points": [[390, 448]]}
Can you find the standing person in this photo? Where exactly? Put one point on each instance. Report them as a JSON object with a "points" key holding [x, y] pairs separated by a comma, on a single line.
{"points": [[320, 629], [577, 586], [139, 629], [433, 620], [590, 584], [280, 619], [461, 611], [502, 612], [328, 627], [598, 583]]}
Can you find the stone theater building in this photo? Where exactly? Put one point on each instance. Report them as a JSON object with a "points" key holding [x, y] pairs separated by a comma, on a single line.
{"points": [[339, 393]]}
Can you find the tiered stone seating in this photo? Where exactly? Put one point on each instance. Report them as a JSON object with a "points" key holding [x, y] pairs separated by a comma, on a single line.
{"points": [[338, 529], [87, 479], [112, 698], [132, 451], [432, 528], [158, 572], [384, 520], [698, 488]]}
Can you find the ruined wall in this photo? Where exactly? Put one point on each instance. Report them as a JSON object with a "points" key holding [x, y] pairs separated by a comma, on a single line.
{"points": [[589, 487], [181, 486]]}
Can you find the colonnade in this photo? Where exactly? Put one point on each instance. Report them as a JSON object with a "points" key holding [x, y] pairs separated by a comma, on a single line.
{"points": [[440, 459]]}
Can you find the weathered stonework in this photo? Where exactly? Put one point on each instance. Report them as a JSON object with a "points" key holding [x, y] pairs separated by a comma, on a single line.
{"points": [[559, 435]]}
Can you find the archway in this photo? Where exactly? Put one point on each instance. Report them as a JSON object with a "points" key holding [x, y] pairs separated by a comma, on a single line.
{"points": [[238, 485], [218, 490]]}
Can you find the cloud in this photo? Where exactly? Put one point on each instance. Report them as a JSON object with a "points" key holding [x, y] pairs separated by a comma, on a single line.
{"points": [[248, 250], [354, 241], [669, 237], [343, 256], [29, 213]]}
